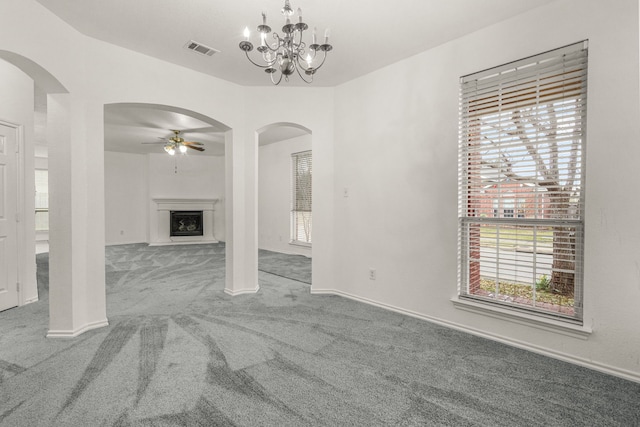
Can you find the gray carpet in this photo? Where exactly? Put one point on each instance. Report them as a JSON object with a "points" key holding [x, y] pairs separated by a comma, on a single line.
{"points": [[294, 267], [180, 352]]}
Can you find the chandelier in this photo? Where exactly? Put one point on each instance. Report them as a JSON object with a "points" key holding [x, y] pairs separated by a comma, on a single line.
{"points": [[288, 54]]}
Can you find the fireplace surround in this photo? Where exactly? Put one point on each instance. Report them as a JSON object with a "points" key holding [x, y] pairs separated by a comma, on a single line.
{"points": [[161, 223]]}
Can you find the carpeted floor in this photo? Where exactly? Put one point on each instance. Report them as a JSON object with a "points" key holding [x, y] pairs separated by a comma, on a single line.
{"points": [[294, 267], [180, 352]]}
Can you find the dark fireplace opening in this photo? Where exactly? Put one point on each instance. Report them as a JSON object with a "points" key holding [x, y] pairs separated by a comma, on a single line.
{"points": [[186, 223]]}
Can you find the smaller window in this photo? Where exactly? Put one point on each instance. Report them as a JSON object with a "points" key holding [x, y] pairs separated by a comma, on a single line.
{"points": [[302, 168], [42, 199]]}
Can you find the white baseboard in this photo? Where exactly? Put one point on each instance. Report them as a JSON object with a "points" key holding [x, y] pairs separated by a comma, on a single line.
{"points": [[75, 333], [123, 243], [164, 243], [31, 300], [596, 366], [241, 291], [183, 242]]}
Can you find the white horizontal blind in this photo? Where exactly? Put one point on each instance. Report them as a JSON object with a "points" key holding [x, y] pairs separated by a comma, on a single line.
{"points": [[302, 167], [522, 129]]}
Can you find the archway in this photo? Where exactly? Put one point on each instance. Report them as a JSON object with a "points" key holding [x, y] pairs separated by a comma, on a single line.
{"points": [[56, 125], [144, 183], [284, 200]]}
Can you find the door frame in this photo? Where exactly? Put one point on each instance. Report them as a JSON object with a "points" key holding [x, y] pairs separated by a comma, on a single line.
{"points": [[20, 208]]}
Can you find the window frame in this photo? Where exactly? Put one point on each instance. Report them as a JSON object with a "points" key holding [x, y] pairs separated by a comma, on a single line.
{"points": [[298, 215], [470, 215]]}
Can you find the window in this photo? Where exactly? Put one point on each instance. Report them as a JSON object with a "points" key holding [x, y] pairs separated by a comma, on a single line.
{"points": [[507, 209], [42, 200], [522, 130], [302, 167]]}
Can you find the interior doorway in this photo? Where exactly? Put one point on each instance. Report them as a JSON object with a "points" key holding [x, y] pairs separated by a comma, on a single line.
{"points": [[9, 296], [285, 232]]}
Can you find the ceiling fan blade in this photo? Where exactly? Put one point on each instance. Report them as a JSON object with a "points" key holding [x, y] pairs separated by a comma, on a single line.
{"points": [[194, 148], [192, 143]]}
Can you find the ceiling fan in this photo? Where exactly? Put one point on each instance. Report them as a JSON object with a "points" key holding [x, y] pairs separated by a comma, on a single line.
{"points": [[177, 143]]}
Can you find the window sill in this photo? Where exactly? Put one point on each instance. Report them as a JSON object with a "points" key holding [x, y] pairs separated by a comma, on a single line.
{"points": [[552, 325], [302, 244]]}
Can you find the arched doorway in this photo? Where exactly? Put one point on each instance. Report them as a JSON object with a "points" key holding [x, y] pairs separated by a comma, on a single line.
{"points": [[148, 179], [27, 130], [285, 201]]}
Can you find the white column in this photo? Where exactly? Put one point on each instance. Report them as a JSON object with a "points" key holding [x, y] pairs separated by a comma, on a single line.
{"points": [[77, 299], [241, 214]]}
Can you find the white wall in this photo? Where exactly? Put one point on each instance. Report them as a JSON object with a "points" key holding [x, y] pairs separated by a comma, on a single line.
{"points": [[274, 195], [191, 176], [126, 198], [396, 151]]}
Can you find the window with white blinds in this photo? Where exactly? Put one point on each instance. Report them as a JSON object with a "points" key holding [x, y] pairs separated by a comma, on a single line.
{"points": [[302, 167], [521, 187]]}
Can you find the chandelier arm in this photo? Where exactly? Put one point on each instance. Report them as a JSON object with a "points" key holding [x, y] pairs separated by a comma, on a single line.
{"points": [[269, 63], [273, 81], [324, 57], [255, 63], [278, 46], [302, 77], [300, 45], [303, 63]]}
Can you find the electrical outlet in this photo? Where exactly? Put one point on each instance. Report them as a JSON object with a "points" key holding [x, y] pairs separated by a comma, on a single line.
{"points": [[372, 274]]}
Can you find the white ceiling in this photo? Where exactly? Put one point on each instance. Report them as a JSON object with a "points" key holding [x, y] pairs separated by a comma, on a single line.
{"points": [[366, 35], [130, 128], [144, 128]]}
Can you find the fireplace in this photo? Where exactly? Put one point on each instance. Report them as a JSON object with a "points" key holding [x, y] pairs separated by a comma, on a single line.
{"points": [[186, 223], [160, 223]]}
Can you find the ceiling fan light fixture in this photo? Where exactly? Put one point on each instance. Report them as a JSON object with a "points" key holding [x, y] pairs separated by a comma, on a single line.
{"points": [[176, 144]]}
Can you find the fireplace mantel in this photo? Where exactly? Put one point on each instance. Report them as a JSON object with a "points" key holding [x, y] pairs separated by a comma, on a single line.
{"points": [[159, 221]]}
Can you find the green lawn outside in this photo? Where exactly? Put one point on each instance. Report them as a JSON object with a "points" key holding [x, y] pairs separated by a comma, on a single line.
{"points": [[512, 237]]}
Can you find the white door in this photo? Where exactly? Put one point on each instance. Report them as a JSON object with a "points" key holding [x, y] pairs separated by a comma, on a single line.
{"points": [[8, 224]]}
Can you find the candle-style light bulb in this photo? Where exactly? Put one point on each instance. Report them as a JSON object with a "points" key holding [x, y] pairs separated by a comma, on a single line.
{"points": [[300, 14], [326, 36], [264, 18], [246, 33], [263, 38], [315, 30]]}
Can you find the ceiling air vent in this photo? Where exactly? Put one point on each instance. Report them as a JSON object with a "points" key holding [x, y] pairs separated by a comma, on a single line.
{"points": [[200, 48]]}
